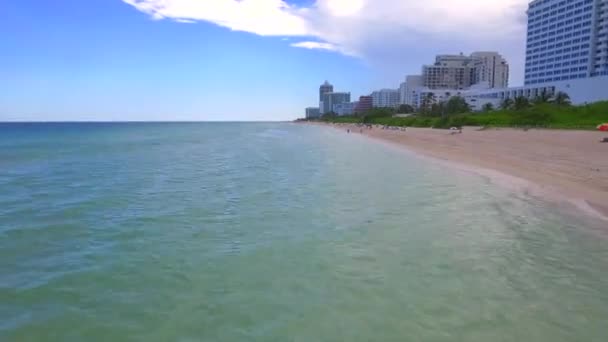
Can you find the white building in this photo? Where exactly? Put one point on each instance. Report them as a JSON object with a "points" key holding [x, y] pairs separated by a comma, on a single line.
{"points": [[566, 40], [402, 92], [437, 95], [580, 90], [412, 83], [324, 89], [449, 72], [461, 72], [491, 68], [332, 99], [386, 98], [345, 108]]}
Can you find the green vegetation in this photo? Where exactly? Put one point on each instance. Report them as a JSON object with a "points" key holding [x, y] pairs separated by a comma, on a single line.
{"points": [[542, 112], [405, 109]]}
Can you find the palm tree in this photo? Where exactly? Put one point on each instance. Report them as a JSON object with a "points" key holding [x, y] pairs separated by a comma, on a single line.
{"points": [[438, 109], [427, 102], [521, 102], [506, 103], [543, 97], [562, 99]]}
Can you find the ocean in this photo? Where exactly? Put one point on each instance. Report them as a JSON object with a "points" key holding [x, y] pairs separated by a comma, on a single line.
{"points": [[278, 232]]}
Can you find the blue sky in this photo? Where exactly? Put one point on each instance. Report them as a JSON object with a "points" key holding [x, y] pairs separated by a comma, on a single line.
{"points": [[223, 59]]}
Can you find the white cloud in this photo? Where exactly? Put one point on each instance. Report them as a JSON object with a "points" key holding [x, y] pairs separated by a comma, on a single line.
{"points": [[316, 45], [323, 46], [380, 31], [262, 17]]}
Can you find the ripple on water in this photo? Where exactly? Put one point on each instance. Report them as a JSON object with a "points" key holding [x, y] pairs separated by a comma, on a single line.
{"points": [[230, 232]]}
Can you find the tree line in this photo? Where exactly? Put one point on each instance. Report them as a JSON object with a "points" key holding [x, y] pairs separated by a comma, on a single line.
{"points": [[455, 105]]}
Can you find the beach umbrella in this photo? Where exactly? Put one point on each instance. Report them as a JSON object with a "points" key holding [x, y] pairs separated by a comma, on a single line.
{"points": [[603, 127]]}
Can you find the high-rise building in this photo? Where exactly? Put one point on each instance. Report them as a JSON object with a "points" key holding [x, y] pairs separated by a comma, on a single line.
{"points": [[567, 39], [324, 89], [449, 72], [331, 99], [365, 104], [402, 92], [386, 98], [490, 68], [345, 108], [412, 83]]}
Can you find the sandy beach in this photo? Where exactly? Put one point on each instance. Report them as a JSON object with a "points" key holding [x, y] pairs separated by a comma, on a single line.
{"points": [[564, 165]]}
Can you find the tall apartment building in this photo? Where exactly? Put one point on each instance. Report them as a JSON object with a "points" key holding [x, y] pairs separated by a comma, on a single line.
{"points": [[449, 72], [385, 98], [332, 99], [459, 72], [567, 39], [490, 68], [402, 92], [412, 83], [324, 89]]}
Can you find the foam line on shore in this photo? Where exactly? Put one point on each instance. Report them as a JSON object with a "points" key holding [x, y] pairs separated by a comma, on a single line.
{"points": [[501, 178]]}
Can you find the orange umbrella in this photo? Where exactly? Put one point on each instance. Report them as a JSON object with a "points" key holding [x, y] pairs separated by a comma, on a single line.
{"points": [[603, 127]]}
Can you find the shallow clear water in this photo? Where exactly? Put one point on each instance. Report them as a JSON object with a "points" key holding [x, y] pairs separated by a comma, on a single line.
{"points": [[278, 232]]}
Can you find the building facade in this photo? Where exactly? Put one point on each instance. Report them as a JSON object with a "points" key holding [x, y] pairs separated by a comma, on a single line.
{"points": [[385, 98], [402, 92], [580, 90], [324, 89], [346, 108], [312, 112], [567, 51], [490, 68], [412, 83], [449, 72], [365, 104], [332, 99], [567, 39]]}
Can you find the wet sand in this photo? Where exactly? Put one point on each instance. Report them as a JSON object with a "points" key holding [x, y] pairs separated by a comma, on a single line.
{"points": [[564, 165]]}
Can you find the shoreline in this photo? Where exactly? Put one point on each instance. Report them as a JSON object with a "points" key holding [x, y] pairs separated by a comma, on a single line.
{"points": [[557, 165]]}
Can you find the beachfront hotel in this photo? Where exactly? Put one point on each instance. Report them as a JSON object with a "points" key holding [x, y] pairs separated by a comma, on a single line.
{"points": [[330, 100], [566, 40], [385, 98], [461, 72], [490, 68], [449, 72], [567, 51]]}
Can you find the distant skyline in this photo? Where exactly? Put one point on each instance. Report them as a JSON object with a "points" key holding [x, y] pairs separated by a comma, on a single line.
{"points": [[226, 60]]}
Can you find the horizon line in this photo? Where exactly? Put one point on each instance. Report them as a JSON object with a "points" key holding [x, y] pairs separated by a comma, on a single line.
{"points": [[144, 121]]}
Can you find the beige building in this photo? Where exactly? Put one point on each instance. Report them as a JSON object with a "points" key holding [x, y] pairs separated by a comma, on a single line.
{"points": [[449, 72], [459, 72], [491, 68]]}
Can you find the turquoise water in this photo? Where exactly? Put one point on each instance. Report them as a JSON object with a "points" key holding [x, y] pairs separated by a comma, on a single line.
{"points": [[278, 232]]}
